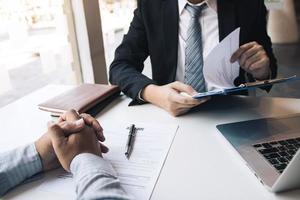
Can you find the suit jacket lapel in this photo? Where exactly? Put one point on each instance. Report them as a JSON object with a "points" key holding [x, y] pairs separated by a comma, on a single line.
{"points": [[170, 26], [227, 18]]}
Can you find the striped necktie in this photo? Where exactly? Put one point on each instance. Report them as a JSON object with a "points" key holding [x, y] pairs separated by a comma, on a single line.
{"points": [[193, 51]]}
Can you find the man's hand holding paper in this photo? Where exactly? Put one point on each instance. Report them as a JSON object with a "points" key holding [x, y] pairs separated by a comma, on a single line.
{"points": [[176, 97], [253, 59], [222, 65]]}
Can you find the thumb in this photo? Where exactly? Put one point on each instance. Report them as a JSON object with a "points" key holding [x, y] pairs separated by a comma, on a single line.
{"points": [[181, 87], [56, 133], [72, 127], [71, 115]]}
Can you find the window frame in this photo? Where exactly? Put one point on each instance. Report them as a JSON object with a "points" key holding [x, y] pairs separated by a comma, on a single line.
{"points": [[88, 29]]}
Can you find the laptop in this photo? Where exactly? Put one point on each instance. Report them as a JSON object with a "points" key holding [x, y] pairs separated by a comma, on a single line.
{"points": [[270, 148]]}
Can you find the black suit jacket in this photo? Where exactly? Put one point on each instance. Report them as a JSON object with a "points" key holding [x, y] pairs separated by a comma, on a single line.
{"points": [[154, 32]]}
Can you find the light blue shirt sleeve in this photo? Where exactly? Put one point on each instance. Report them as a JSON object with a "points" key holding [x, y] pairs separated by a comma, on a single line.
{"points": [[95, 178], [18, 165]]}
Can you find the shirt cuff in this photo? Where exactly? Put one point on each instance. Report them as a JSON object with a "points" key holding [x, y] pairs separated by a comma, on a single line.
{"points": [[140, 96], [18, 165], [86, 163]]}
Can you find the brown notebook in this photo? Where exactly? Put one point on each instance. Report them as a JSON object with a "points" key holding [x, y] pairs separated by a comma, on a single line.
{"points": [[88, 98]]}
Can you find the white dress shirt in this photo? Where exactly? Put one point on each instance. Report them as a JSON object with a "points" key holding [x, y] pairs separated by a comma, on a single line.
{"points": [[210, 32]]}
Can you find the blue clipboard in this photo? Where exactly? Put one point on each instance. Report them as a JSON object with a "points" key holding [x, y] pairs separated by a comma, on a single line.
{"points": [[246, 86]]}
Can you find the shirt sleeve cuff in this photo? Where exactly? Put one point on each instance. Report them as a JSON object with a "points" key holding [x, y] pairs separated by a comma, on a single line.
{"points": [[140, 96], [18, 165], [84, 163]]}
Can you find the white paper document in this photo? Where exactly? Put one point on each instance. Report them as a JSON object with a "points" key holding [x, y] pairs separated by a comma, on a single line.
{"points": [[139, 174], [218, 71]]}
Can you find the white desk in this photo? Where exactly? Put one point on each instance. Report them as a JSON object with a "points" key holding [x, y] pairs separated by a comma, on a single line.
{"points": [[200, 165]]}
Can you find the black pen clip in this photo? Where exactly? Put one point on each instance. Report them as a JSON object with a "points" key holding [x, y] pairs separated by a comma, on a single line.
{"points": [[136, 128]]}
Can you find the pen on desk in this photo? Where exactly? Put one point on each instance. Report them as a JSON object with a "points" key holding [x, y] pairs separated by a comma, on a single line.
{"points": [[130, 141]]}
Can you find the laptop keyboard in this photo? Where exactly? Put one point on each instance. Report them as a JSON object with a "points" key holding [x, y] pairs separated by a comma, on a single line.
{"points": [[279, 153]]}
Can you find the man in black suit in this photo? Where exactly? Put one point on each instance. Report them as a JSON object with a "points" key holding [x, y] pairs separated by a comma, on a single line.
{"points": [[166, 31]]}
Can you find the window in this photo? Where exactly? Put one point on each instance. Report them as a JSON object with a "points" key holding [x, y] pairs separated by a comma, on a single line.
{"points": [[116, 16], [34, 47]]}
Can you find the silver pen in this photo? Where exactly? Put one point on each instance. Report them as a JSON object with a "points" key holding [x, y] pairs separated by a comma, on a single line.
{"points": [[130, 141]]}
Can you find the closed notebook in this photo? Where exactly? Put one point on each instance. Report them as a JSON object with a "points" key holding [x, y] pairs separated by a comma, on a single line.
{"points": [[88, 98]]}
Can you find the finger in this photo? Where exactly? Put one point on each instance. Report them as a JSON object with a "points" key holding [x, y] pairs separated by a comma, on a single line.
{"points": [[199, 102], [185, 101], [235, 56], [100, 136], [204, 99], [249, 53], [185, 94], [255, 58], [182, 111], [56, 134], [71, 115], [178, 112], [258, 65], [50, 123], [91, 121], [72, 127], [60, 119], [104, 148], [181, 87], [182, 106]]}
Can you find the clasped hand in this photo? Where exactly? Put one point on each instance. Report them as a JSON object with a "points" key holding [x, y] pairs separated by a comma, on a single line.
{"points": [[73, 134]]}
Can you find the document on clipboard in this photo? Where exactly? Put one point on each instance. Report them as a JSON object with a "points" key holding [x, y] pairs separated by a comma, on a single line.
{"points": [[245, 86]]}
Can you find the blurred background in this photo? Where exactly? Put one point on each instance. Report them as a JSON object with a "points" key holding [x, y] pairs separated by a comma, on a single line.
{"points": [[36, 46]]}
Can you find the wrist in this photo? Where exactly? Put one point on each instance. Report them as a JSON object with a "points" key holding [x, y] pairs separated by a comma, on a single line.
{"points": [[87, 162], [149, 93], [266, 75], [40, 154], [46, 153]]}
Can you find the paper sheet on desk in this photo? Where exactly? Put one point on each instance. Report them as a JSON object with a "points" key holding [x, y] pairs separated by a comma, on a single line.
{"points": [[218, 71], [139, 174]]}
